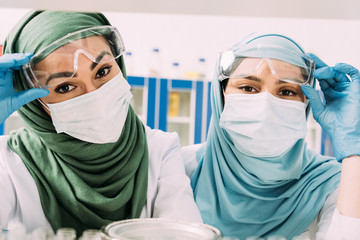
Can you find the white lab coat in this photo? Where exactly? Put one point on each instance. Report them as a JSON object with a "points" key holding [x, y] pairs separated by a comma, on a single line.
{"points": [[169, 192], [328, 225]]}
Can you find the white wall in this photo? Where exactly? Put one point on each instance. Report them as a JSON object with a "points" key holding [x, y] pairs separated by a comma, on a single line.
{"points": [[185, 38]]}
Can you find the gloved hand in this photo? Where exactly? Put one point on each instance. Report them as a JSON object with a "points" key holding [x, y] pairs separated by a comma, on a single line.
{"points": [[340, 115], [11, 100]]}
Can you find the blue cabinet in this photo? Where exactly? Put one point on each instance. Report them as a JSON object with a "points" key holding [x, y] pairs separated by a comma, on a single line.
{"points": [[192, 117]]}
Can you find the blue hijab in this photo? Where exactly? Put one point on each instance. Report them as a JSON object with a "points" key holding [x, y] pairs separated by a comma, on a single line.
{"points": [[241, 204]]}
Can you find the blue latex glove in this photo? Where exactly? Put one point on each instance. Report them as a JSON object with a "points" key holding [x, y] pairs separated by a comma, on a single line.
{"points": [[11, 100], [340, 115]]}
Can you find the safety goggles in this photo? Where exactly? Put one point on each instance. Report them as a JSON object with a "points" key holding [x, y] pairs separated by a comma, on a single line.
{"points": [[298, 68], [100, 45]]}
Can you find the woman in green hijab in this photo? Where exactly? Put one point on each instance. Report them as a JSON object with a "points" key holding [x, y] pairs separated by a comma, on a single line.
{"points": [[84, 159]]}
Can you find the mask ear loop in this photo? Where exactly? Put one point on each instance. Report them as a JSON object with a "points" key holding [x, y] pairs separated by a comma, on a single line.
{"points": [[44, 105]]}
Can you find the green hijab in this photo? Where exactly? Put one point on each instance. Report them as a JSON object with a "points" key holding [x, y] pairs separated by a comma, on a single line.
{"points": [[81, 185]]}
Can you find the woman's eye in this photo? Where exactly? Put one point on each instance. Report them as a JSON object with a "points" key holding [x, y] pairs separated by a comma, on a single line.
{"points": [[64, 88], [248, 89], [286, 92], [103, 72]]}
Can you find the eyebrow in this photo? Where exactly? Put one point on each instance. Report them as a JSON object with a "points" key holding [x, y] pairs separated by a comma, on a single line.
{"points": [[98, 59], [70, 74], [256, 79], [59, 75]]}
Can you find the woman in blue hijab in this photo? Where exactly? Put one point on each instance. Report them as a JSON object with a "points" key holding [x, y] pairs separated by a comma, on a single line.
{"points": [[255, 175]]}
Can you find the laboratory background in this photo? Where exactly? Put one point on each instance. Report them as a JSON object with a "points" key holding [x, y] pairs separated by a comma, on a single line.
{"points": [[171, 50]]}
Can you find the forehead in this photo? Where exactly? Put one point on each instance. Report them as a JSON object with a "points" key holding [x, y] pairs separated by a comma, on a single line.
{"points": [[277, 64], [280, 69], [93, 43], [65, 55]]}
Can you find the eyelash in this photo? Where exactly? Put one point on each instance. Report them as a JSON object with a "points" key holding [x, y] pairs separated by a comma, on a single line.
{"points": [[243, 88], [104, 68], [58, 88], [291, 92]]}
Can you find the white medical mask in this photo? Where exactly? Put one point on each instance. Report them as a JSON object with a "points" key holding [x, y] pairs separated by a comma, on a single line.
{"points": [[262, 125], [96, 117]]}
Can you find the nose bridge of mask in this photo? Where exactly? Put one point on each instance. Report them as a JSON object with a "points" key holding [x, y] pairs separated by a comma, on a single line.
{"points": [[271, 99], [268, 106], [274, 108]]}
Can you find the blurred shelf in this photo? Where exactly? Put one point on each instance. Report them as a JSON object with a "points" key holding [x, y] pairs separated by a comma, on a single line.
{"points": [[179, 120]]}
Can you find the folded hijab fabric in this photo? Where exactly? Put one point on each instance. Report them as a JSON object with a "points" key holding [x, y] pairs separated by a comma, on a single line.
{"points": [[240, 203], [81, 185]]}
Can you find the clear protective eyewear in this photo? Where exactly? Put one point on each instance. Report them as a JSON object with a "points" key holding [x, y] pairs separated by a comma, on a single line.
{"points": [[238, 66], [100, 45]]}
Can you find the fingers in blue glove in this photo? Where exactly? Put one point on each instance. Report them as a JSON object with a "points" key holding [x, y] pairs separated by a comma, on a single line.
{"points": [[6, 80], [333, 92], [14, 61], [328, 73], [349, 70], [329, 77], [315, 102], [325, 85]]}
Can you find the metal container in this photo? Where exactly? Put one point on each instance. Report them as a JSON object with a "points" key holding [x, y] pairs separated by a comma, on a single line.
{"points": [[159, 229]]}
